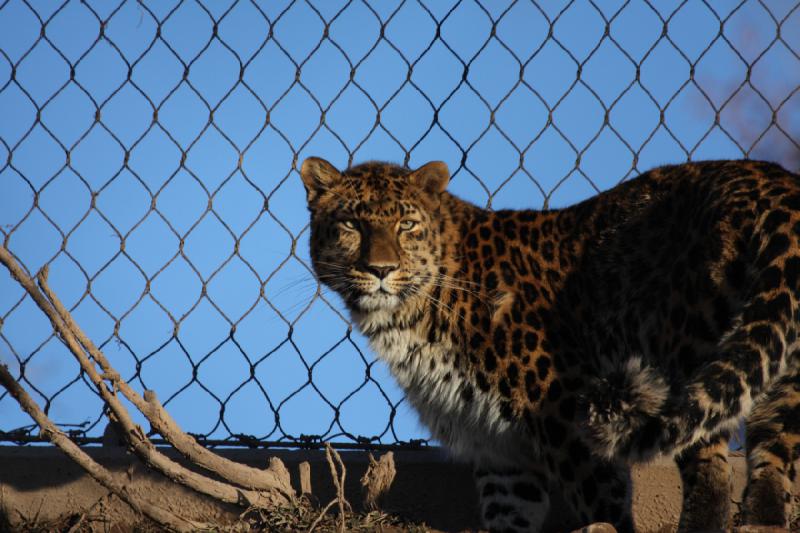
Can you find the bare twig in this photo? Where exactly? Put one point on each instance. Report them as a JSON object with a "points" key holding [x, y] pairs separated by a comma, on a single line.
{"points": [[50, 431], [334, 461], [133, 434], [321, 516]]}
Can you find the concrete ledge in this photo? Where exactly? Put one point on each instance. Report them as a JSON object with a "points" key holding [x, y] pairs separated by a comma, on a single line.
{"points": [[428, 488]]}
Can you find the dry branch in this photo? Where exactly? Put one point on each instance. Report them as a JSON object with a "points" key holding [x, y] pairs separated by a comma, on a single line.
{"points": [[51, 432], [335, 463], [337, 481], [271, 479], [279, 491]]}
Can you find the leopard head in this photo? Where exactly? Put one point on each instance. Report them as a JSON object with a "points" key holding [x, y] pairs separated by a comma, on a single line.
{"points": [[375, 235]]}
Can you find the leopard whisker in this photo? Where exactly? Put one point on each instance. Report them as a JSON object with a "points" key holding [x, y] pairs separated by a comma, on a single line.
{"points": [[441, 306], [459, 280], [303, 282]]}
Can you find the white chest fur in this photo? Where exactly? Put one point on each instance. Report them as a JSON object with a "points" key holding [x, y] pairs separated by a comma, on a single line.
{"points": [[472, 429]]}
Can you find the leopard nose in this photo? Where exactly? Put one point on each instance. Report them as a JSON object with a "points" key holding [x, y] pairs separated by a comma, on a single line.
{"points": [[381, 271]]}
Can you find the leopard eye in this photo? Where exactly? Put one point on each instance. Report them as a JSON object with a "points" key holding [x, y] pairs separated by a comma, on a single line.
{"points": [[349, 224], [407, 225]]}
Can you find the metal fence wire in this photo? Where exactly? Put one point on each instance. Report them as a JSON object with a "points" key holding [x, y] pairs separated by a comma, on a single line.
{"points": [[149, 155]]}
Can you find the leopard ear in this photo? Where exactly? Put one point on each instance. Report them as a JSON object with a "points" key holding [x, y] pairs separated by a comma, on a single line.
{"points": [[432, 177], [318, 176]]}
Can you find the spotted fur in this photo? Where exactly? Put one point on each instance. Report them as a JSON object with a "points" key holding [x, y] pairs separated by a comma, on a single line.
{"points": [[553, 348]]}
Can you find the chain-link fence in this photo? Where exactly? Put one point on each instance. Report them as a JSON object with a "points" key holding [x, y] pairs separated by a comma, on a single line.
{"points": [[149, 155]]}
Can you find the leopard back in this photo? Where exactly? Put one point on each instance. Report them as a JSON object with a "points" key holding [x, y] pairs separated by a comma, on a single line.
{"points": [[644, 321]]}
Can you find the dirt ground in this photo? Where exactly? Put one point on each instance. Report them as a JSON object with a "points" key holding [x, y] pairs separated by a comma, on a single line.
{"points": [[41, 490]]}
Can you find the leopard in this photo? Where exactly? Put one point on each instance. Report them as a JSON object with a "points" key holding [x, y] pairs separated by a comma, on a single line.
{"points": [[553, 349]]}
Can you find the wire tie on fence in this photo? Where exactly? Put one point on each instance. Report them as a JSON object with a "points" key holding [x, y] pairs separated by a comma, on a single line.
{"points": [[251, 441]]}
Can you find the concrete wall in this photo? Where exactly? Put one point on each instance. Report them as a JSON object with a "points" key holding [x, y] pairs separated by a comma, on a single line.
{"points": [[428, 488]]}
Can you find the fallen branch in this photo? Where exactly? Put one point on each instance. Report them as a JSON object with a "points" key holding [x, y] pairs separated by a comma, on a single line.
{"points": [[51, 432], [275, 478], [134, 435]]}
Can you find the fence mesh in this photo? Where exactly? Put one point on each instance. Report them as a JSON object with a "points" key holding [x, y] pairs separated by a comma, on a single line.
{"points": [[149, 155]]}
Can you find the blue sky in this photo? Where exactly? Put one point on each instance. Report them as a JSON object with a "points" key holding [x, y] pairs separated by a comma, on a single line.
{"points": [[188, 139]]}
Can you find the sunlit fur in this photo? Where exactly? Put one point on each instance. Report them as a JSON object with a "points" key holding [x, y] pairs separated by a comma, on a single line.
{"points": [[395, 313], [553, 348], [339, 250]]}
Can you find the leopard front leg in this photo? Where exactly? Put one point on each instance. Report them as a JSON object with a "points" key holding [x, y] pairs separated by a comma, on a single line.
{"points": [[707, 483], [597, 491], [773, 447], [512, 500]]}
